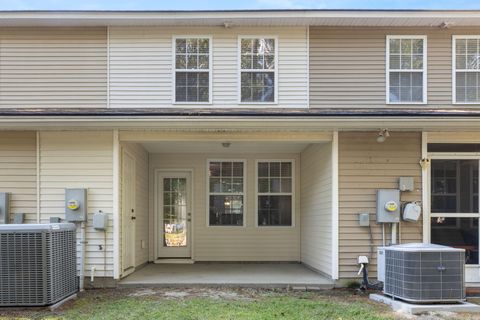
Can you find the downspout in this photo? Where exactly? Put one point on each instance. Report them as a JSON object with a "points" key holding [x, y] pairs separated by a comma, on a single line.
{"points": [[38, 173]]}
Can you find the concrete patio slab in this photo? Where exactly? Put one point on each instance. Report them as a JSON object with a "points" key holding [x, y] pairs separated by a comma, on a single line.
{"points": [[399, 305], [265, 275]]}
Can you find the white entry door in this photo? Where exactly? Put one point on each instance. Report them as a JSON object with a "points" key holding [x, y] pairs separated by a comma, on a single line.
{"points": [[173, 210], [454, 208], [128, 213]]}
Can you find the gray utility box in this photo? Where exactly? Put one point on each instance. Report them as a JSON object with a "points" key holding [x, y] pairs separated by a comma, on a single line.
{"points": [[388, 206], [4, 207], [76, 205]]}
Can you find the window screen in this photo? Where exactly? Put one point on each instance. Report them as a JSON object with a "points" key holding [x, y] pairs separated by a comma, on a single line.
{"points": [[467, 70], [406, 70], [192, 70], [257, 76], [275, 193], [226, 193]]}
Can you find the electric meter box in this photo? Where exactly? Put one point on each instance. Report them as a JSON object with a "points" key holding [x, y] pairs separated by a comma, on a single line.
{"points": [[388, 206], [4, 207], [76, 205]]}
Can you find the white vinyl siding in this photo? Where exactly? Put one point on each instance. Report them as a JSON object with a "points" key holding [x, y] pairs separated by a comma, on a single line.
{"points": [[406, 69], [53, 67], [141, 65], [78, 159], [18, 172], [316, 203], [466, 69]]}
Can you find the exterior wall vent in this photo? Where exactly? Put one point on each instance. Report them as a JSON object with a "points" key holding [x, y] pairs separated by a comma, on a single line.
{"points": [[37, 264]]}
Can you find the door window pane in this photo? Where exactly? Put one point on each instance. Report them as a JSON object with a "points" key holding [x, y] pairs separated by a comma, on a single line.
{"points": [[174, 212], [454, 186], [458, 233]]}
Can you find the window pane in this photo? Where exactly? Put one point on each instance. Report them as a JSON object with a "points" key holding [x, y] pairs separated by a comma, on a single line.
{"points": [[286, 185], [203, 61], [274, 169], [214, 169], [454, 187], [458, 233], [394, 61], [180, 62], [258, 86], [180, 45], [274, 210], [406, 46], [246, 46], [192, 45], [395, 46], [263, 185], [417, 46], [286, 169], [263, 169], [203, 46], [226, 210], [192, 86]]}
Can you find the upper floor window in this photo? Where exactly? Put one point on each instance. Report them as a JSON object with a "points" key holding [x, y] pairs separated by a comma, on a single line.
{"points": [[406, 69], [258, 67], [466, 69], [192, 70]]}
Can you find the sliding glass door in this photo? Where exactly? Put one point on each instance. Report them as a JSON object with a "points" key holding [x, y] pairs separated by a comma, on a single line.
{"points": [[454, 208]]}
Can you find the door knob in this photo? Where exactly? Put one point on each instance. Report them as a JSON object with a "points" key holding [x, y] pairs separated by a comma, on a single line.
{"points": [[134, 218]]}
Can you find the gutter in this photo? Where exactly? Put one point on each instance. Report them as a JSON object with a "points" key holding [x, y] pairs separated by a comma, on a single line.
{"points": [[238, 112]]}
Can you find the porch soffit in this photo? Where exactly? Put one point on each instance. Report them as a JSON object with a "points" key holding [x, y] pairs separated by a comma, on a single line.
{"points": [[225, 135]]}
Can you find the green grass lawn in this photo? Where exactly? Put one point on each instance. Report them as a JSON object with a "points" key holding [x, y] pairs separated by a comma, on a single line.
{"points": [[184, 304]]}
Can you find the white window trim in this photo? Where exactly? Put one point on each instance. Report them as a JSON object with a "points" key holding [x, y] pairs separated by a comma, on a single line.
{"points": [[424, 70], [239, 69], [207, 203], [293, 193], [454, 67], [209, 70]]}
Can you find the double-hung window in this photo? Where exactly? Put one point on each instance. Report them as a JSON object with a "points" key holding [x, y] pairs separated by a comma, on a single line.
{"points": [[226, 183], [406, 69], [466, 69], [275, 193], [258, 70], [192, 69]]}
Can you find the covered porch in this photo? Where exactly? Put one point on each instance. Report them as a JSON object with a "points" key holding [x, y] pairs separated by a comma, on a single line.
{"points": [[228, 208], [258, 275]]}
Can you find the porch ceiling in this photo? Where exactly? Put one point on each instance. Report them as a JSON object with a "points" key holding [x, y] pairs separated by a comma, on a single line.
{"points": [[215, 147]]}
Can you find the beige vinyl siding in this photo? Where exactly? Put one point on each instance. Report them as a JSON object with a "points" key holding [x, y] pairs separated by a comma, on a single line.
{"points": [[347, 65], [453, 137], [141, 200], [79, 159], [249, 243], [316, 206], [18, 172], [141, 61], [365, 166], [53, 67]]}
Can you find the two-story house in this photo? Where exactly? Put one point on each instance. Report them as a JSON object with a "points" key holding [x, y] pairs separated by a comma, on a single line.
{"points": [[243, 136]]}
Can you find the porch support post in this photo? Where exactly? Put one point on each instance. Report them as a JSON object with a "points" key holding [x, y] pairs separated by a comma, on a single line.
{"points": [[335, 213], [425, 191], [116, 205]]}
